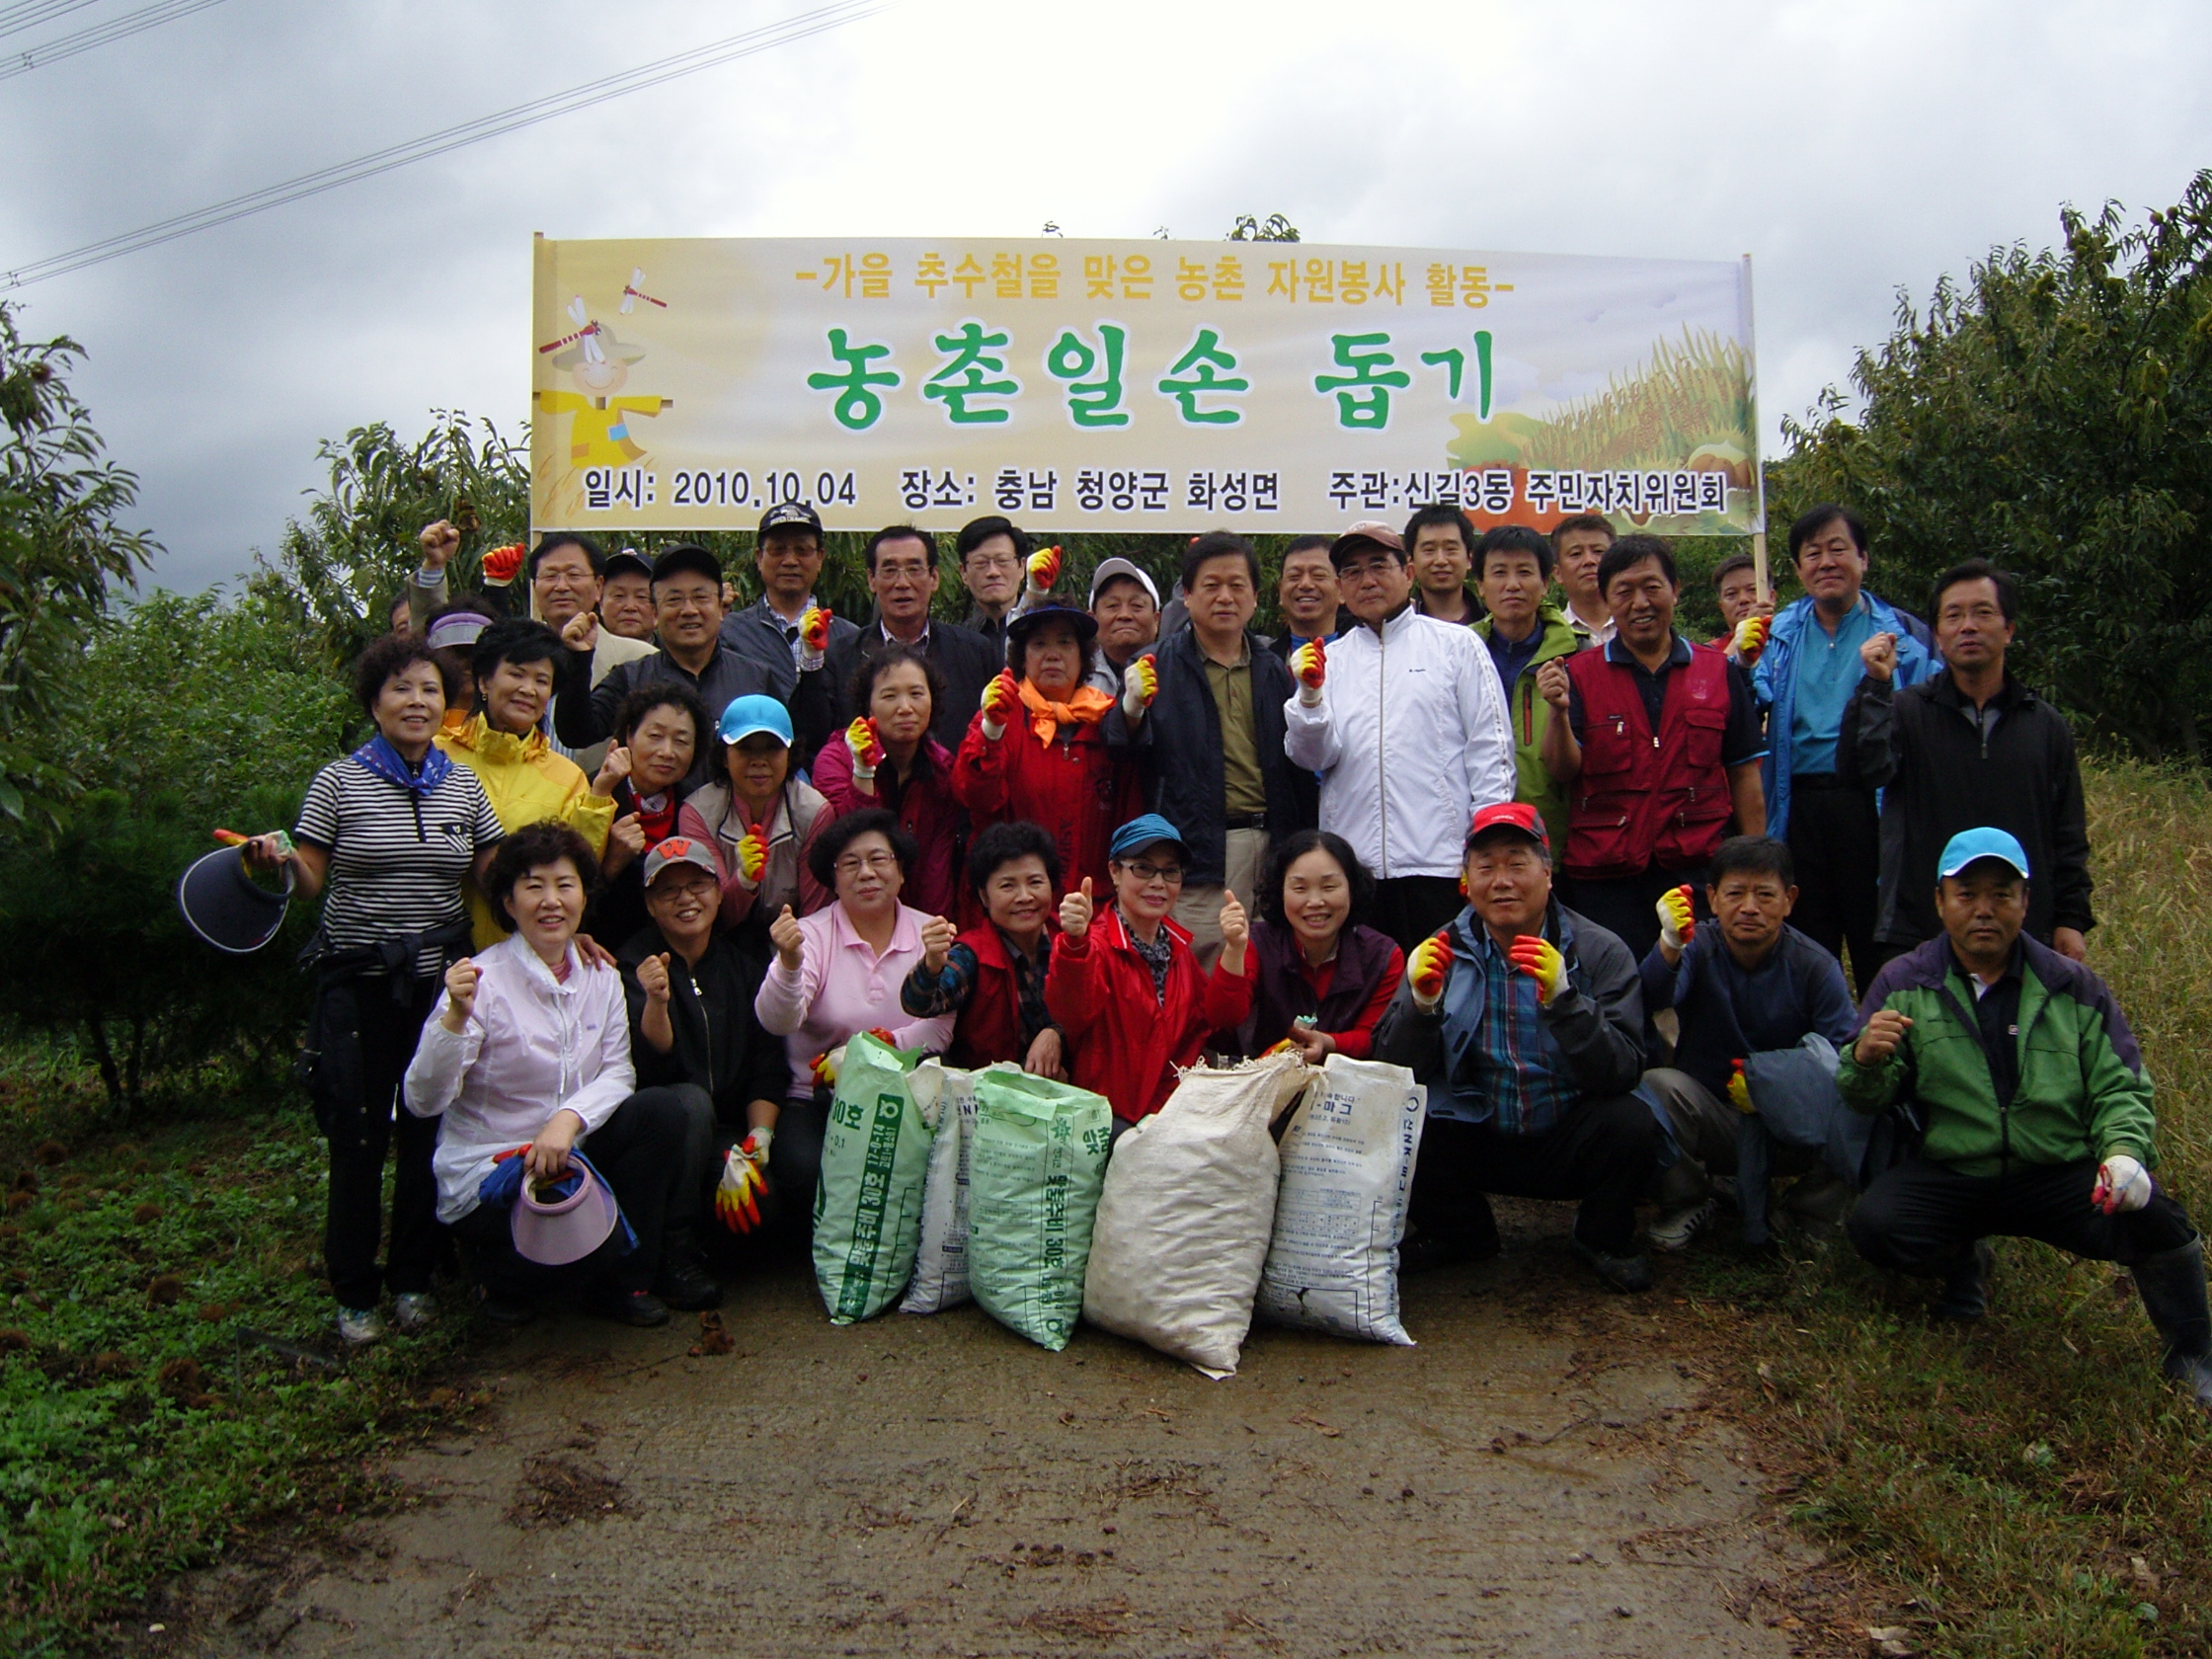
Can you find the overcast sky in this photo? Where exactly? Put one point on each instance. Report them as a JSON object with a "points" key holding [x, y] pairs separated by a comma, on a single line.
{"points": [[1852, 149]]}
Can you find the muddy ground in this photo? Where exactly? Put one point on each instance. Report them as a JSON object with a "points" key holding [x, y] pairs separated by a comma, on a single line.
{"points": [[1542, 1474]]}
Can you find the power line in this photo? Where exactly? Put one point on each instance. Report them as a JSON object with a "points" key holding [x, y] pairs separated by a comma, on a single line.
{"points": [[99, 35], [646, 75], [14, 20]]}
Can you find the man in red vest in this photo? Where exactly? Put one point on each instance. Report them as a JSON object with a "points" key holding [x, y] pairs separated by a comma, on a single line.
{"points": [[1659, 750]]}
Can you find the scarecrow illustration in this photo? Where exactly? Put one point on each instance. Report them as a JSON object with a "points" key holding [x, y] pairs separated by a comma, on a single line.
{"points": [[599, 364]]}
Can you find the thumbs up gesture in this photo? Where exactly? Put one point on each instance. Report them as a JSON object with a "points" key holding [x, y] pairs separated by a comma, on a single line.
{"points": [[653, 978], [1075, 913]]}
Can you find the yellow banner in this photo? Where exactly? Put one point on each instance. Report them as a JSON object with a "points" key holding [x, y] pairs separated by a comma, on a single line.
{"points": [[1167, 386]]}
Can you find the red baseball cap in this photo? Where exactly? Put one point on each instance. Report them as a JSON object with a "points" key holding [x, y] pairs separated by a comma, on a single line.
{"points": [[1509, 815]]}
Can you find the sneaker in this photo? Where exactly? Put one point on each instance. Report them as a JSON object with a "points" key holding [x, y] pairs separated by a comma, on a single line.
{"points": [[359, 1327], [1966, 1292], [1677, 1227], [1619, 1273], [687, 1286], [414, 1311], [638, 1307]]}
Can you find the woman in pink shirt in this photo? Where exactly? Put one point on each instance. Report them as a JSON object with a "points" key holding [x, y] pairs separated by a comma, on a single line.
{"points": [[838, 973]]}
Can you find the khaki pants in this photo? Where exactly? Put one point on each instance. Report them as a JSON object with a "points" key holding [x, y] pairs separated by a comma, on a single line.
{"points": [[1199, 910], [1704, 1128]]}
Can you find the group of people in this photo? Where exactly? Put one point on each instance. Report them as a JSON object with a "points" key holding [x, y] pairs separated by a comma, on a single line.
{"points": [[623, 875]]}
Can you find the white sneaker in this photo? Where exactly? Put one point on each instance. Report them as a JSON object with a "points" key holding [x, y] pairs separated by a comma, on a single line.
{"points": [[359, 1325], [414, 1311], [1675, 1230]]}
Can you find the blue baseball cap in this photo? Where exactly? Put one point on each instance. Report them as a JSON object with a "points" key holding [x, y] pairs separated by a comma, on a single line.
{"points": [[1142, 833], [748, 715], [1968, 845]]}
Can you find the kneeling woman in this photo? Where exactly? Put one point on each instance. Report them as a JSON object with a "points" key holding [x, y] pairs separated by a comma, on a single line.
{"points": [[837, 974], [992, 977], [1124, 984], [527, 1055], [1323, 978]]}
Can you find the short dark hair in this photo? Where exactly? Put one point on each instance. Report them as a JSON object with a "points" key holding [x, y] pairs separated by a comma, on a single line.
{"points": [[384, 656], [1436, 515], [1297, 845], [1816, 519], [1308, 544], [873, 668], [515, 639], [1752, 855], [1581, 521], [1017, 646], [555, 540], [1002, 843], [1219, 544], [902, 532], [680, 556], [1731, 565], [532, 847], [831, 842], [1632, 550], [977, 531], [1514, 538], [1977, 570], [663, 693]]}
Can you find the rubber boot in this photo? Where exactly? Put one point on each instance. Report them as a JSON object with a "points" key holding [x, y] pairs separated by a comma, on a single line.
{"points": [[1966, 1292], [2172, 1285]]}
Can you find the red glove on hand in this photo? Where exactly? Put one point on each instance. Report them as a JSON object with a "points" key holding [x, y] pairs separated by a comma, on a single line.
{"points": [[1310, 664], [1428, 968], [1540, 960], [744, 1178], [753, 856], [1677, 920], [501, 563], [1751, 639], [865, 745], [824, 1069], [814, 630], [1001, 697], [1044, 570], [1739, 1090], [882, 1036]]}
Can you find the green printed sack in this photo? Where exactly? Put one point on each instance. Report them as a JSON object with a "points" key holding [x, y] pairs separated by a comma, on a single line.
{"points": [[875, 1163], [1035, 1167]]}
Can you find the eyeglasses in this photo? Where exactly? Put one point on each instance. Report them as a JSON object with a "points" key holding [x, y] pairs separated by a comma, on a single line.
{"points": [[1167, 875], [993, 561], [875, 863]]}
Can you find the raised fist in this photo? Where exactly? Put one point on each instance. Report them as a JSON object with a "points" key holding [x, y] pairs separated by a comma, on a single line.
{"points": [[1000, 698], [440, 542], [1044, 570], [460, 993], [1751, 639], [790, 942], [813, 634], [1880, 1038], [1309, 663], [937, 936], [1139, 686], [653, 978], [1678, 922], [865, 747], [580, 632], [501, 564], [1879, 654], [1552, 683]]}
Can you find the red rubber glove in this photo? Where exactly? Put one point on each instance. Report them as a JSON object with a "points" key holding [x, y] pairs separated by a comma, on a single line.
{"points": [[1540, 960], [1001, 697], [753, 856], [865, 747], [1310, 664], [501, 563], [814, 634], [744, 1178], [1428, 968], [1739, 1090], [1677, 920], [1044, 570]]}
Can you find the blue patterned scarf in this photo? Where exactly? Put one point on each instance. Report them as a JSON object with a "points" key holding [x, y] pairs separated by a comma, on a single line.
{"points": [[380, 757]]}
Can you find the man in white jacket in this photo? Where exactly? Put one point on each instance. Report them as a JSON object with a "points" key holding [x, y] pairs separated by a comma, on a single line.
{"points": [[1403, 719]]}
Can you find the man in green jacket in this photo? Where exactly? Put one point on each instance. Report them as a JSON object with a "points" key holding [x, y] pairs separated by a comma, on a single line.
{"points": [[1511, 573], [2034, 1109]]}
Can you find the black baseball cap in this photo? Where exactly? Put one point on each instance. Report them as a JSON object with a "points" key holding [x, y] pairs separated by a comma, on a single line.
{"points": [[687, 556], [628, 562], [790, 513]]}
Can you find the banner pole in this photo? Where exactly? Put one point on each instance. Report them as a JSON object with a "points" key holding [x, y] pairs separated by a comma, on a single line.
{"points": [[1758, 460]]}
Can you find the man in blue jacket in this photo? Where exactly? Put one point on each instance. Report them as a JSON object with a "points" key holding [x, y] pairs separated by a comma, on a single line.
{"points": [[1807, 675]]}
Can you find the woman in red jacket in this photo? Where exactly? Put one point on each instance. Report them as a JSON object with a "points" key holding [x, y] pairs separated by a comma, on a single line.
{"points": [[1124, 984], [1036, 750], [888, 758], [992, 976]]}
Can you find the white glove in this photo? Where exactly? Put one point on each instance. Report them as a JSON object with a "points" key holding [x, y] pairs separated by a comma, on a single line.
{"points": [[2121, 1184]]}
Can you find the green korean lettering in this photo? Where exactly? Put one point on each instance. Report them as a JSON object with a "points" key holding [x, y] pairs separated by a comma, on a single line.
{"points": [[1363, 396], [857, 407], [967, 374], [1454, 362], [1072, 359], [1203, 370]]}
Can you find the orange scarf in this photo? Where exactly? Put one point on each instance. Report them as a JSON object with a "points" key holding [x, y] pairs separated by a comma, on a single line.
{"points": [[1088, 707]]}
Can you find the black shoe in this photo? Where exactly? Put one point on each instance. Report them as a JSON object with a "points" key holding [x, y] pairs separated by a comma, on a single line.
{"points": [[1629, 1274], [687, 1286], [1426, 1251], [1966, 1292], [507, 1311], [638, 1307]]}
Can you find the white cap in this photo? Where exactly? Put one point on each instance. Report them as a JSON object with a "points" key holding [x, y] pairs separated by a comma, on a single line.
{"points": [[1112, 568]]}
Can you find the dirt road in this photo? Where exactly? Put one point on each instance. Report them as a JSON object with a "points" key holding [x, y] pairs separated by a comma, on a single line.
{"points": [[1537, 1477]]}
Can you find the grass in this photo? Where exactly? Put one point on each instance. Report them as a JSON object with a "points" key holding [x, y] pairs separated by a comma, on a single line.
{"points": [[2032, 1486], [140, 1426]]}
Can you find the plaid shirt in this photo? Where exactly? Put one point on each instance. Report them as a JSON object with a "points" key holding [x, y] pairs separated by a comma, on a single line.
{"points": [[1514, 1062], [925, 998]]}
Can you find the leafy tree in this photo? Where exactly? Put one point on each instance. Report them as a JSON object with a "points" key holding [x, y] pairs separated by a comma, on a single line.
{"points": [[341, 569], [2052, 413], [1273, 228], [64, 556]]}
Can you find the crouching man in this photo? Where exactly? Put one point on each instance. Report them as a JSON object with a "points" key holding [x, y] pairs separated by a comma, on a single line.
{"points": [[2034, 1105], [1526, 1022]]}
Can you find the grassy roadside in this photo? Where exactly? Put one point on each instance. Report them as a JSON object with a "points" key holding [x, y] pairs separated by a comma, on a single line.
{"points": [[2031, 1486], [139, 1427]]}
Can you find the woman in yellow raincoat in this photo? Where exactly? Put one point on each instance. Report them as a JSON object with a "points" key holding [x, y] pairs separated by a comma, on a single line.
{"points": [[503, 743]]}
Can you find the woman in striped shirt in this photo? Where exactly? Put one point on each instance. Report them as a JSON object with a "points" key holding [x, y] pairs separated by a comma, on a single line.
{"points": [[387, 835]]}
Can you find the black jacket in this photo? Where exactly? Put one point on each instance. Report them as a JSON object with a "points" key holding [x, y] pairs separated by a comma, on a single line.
{"points": [[823, 705], [1944, 766], [757, 633], [719, 1044], [583, 713], [1179, 746]]}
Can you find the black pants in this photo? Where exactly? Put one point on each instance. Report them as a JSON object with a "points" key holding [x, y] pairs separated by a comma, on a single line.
{"points": [[1628, 907], [353, 1222], [641, 1152], [1835, 840], [1924, 1217], [795, 1171], [1408, 909], [1601, 1151], [705, 1141]]}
